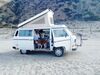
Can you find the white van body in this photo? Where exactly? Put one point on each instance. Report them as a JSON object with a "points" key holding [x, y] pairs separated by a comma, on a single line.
{"points": [[59, 38]]}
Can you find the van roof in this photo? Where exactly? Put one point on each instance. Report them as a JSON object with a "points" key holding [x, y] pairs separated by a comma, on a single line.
{"points": [[54, 26]]}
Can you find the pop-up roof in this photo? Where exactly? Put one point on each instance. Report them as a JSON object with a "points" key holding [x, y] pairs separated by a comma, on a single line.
{"points": [[44, 19]]}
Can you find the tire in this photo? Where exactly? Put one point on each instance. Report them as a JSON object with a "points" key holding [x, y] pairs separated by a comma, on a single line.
{"points": [[58, 52], [23, 51], [74, 49]]}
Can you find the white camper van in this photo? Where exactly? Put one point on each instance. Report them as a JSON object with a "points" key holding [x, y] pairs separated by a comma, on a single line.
{"points": [[57, 39]]}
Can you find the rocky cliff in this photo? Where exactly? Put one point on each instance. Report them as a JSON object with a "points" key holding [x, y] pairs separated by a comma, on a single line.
{"points": [[17, 11]]}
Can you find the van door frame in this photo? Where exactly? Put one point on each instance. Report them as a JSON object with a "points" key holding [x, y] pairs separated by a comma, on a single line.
{"points": [[51, 38], [50, 48]]}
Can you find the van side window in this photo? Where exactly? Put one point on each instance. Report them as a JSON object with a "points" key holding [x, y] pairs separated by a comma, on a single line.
{"points": [[16, 34], [60, 33], [26, 33]]}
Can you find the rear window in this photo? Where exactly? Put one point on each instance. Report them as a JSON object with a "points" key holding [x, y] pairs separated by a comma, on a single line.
{"points": [[26, 33]]}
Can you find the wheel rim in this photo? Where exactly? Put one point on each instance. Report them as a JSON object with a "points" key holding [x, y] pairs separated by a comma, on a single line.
{"points": [[23, 51], [58, 52]]}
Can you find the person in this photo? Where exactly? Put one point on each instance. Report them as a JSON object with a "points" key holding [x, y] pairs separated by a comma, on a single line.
{"points": [[36, 38], [43, 39]]}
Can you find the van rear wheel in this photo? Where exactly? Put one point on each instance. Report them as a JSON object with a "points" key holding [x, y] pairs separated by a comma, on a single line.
{"points": [[58, 52], [23, 51]]}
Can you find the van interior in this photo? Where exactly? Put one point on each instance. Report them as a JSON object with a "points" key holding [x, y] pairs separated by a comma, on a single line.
{"points": [[41, 39]]}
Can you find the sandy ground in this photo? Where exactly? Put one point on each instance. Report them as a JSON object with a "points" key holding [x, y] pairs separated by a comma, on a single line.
{"points": [[84, 61]]}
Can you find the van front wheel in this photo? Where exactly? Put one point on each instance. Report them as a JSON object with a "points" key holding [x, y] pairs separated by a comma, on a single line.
{"points": [[58, 52], [23, 51]]}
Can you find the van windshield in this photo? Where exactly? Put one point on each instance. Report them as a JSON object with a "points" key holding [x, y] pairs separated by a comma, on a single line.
{"points": [[60, 33], [68, 31]]}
